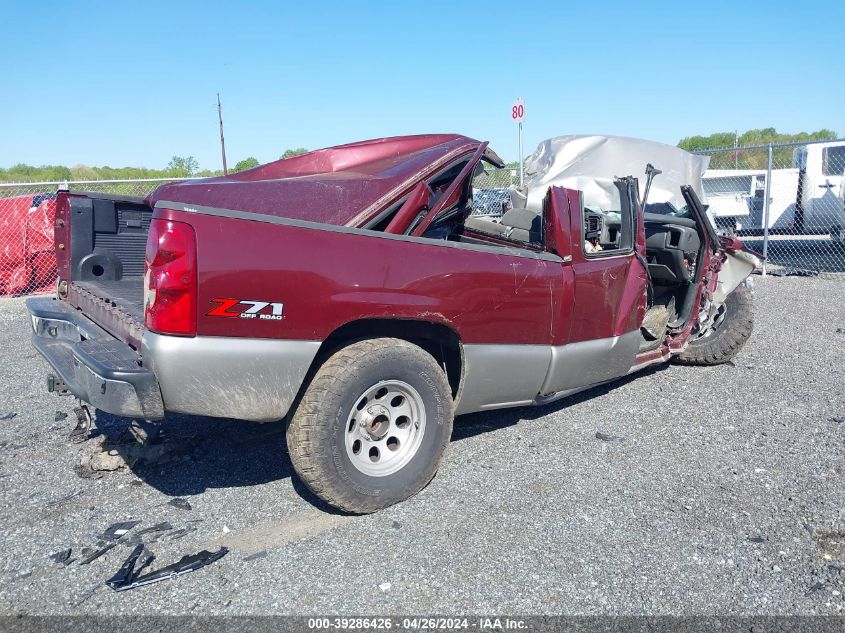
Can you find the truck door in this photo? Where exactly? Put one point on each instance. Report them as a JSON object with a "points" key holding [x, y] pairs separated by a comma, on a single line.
{"points": [[610, 282]]}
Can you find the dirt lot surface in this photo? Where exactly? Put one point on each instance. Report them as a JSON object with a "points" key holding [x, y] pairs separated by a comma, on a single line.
{"points": [[721, 491]]}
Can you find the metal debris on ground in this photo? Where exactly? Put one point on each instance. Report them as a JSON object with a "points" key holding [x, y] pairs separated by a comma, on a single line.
{"points": [[129, 578], [127, 572], [107, 540], [117, 534], [157, 530], [182, 532], [757, 539], [839, 419], [8, 416], [816, 587], [116, 531], [146, 433], [80, 432], [62, 556], [95, 554], [179, 502], [604, 437], [256, 556]]}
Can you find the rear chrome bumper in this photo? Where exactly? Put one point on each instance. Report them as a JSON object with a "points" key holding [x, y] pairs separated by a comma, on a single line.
{"points": [[95, 366]]}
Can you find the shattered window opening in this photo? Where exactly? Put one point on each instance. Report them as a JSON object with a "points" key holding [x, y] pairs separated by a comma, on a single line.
{"points": [[608, 222]]}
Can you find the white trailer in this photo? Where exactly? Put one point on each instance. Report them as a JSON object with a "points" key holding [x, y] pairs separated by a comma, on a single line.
{"points": [[821, 194], [806, 198]]}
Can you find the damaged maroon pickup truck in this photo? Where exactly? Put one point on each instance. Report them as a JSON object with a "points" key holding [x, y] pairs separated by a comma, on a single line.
{"points": [[352, 291]]}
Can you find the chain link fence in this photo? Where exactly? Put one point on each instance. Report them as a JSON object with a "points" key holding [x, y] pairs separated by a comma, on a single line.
{"points": [[786, 201], [490, 191], [27, 216]]}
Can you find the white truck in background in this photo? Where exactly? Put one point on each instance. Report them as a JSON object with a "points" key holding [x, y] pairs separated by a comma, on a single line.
{"points": [[807, 198]]}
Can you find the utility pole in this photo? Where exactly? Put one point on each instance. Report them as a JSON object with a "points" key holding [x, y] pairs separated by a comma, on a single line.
{"points": [[222, 140]]}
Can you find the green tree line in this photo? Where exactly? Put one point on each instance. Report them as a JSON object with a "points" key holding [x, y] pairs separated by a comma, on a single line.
{"points": [[751, 159], [178, 167]]}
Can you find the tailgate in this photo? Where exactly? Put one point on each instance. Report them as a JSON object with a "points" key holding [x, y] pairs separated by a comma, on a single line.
{"points": [[100, 245]]}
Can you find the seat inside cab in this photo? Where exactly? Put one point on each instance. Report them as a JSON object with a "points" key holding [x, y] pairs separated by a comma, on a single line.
{"points": [[672, 245], [520, 225]]}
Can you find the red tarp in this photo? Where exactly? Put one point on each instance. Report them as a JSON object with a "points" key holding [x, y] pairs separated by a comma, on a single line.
{"points": [[27, 258]]}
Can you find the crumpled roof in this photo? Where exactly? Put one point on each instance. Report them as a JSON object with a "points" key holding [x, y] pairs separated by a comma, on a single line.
{"points": [[337, 185], [588, 162]]}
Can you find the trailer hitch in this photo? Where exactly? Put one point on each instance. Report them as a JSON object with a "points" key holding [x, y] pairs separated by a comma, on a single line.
{"points": [[57, 385]]}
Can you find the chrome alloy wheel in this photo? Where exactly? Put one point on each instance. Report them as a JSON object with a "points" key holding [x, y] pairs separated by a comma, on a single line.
{"points": [[385, 428]]}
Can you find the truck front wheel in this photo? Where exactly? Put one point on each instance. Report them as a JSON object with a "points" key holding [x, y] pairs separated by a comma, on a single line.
{"points": [[731, 327], [372, 426]]}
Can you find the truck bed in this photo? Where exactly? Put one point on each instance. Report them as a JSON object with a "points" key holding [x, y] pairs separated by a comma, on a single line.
{"points": [[105, 265], [127, 294], [115, 305]]}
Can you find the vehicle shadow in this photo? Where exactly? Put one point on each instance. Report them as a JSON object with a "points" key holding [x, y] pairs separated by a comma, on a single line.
{"points": [[473, 424], [193, 454]]}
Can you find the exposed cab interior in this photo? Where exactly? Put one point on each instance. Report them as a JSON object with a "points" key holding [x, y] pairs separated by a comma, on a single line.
{"points": [[503, 216], [674, 238]]}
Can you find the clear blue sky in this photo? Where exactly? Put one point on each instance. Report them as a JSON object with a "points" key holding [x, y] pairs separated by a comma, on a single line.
{"points": [[134, 83]]}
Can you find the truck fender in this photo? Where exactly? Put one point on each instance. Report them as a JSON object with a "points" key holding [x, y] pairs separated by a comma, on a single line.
{"points": [[736, 268]]}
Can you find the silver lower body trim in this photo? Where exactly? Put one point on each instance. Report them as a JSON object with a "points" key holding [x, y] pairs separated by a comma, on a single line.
{"points": [[591, 362], [499, 376], [248, 379]]}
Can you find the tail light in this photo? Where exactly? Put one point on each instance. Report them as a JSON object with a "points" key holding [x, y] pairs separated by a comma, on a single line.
{"points": [[170, 279]]}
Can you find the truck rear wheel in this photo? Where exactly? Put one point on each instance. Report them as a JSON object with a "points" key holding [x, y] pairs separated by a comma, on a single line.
{"points": [[372, 426], [732, 325]]}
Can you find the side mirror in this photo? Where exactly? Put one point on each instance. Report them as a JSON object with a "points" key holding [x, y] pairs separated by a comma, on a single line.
{"points": [[416, 204]]}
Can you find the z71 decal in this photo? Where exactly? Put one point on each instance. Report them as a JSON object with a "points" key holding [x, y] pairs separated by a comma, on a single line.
{"points": [[244, 309]]}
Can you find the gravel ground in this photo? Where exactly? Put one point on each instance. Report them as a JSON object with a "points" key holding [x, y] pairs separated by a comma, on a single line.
{"points": [[725, 496]]}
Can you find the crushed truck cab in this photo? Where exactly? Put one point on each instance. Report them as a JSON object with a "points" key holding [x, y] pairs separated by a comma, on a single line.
{"points": [[351, 292]]}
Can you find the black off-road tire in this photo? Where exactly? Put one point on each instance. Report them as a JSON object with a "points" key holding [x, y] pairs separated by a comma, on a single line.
{"points": [[316, 436], [725, 341]]}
